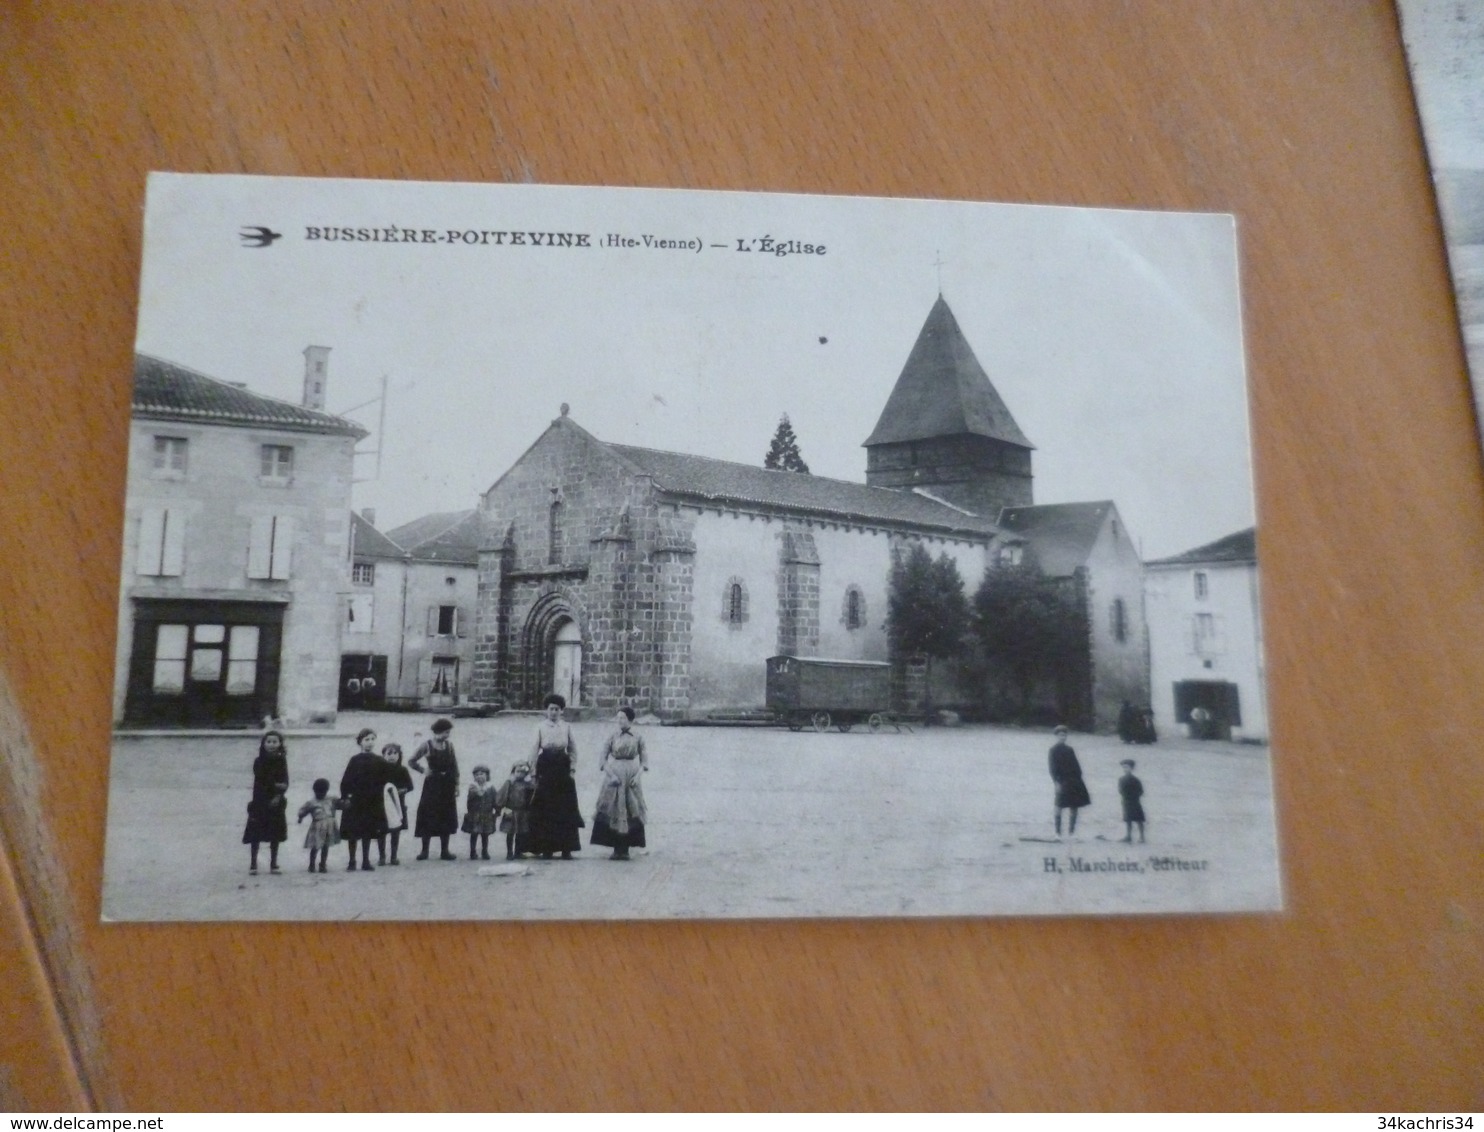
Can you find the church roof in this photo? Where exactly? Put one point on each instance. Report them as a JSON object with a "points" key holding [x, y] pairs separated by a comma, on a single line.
{"points": [[446, 536], [177, 392], [1060, 534], [944, 391], [1239, 547], [721, 481]]}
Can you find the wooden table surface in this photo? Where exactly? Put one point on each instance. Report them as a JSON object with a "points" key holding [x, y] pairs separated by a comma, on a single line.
{"points": [[1297, 116]]}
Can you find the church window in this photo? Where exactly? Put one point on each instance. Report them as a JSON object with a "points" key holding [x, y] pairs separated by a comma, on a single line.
{"points": [[1120, 620], [554, 533], [853, 614], [1202, 588], [363, 574], [734, 602], [1012, 554]]}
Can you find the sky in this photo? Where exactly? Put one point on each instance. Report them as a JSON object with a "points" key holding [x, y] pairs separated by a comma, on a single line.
{"points": [[1114, 337]]}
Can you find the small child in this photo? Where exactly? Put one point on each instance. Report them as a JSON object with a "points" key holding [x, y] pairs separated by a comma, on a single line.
{"points": [[514, 800], [320, 810], [479, 813], [1130, 789]]}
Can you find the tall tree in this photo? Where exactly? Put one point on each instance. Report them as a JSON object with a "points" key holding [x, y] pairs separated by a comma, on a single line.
{"points": [[1027, 624], [927, 613], [783, 453]]}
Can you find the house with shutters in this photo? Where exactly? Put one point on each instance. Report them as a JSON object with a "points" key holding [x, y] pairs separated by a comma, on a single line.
{"points": [[1205, 640], [408, 634], [235, 551], [615, 574]]}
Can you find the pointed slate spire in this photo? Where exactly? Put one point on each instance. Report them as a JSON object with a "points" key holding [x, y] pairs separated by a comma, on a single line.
{"points": [[943, 391]]}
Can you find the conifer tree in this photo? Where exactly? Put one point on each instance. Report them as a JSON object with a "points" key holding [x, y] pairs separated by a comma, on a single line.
{"points": [[783, 453]]}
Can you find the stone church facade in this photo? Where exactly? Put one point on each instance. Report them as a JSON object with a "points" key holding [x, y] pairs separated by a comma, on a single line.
{"points": [[622, 575]]}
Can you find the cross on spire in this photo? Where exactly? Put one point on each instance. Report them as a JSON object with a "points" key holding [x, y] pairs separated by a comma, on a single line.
{"points": [[938, 263]]}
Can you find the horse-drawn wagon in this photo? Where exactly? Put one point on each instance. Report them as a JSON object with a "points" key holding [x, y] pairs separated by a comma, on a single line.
{"points": [[820, 693]]}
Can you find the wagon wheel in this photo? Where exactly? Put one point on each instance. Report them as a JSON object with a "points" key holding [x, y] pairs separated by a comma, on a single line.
{"points": [[876, 722], [821, 721], [843, 726]]}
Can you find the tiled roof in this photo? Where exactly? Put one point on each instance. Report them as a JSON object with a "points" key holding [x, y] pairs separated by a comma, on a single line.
{"points": [[447, 536], [720, 481], [1239, 547], [1060, 534], [176, 392], [368, 542], [944, 391]]}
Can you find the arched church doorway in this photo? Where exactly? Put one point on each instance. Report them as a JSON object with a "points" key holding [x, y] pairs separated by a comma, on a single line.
{"points": [[551, 653]]}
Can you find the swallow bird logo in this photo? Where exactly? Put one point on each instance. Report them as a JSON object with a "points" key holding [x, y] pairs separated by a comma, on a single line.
{"points": [[256, 236]]}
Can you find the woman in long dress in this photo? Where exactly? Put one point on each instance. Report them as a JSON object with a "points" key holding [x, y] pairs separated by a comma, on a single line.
{"points": [[621, 813], [555, 817], [438, 805], [267, 812]]}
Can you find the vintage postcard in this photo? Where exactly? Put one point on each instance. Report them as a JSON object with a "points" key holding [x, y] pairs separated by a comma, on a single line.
{"points": [[1445, 51], [529, 552]]}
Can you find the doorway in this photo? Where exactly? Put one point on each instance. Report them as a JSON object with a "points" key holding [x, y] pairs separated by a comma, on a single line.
{"points": [[1211, 707], [566, 662]]}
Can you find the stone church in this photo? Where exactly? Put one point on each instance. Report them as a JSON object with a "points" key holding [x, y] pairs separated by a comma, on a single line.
{"points": [[623, 575]]}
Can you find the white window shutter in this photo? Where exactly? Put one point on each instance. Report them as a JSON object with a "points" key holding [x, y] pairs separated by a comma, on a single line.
{"points": [[461, 622], [151, 539], [432, 620], [172, 550], [260, 547], [283, 546]]}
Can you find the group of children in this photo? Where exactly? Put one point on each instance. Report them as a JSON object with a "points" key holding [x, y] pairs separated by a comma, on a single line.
{"points": [[488, 809]]}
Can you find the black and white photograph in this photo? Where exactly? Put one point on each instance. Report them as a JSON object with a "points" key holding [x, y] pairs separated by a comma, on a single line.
{"points": [[1445, 54], [533, 552]]}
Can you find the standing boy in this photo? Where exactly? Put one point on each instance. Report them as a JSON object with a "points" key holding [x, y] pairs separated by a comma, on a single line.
{"points": [[1130, 789]]}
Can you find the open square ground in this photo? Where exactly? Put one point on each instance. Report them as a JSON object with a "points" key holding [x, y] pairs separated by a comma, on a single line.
{"points": [[744, 822]]}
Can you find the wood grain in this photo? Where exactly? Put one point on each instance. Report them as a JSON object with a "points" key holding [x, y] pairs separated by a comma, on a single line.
{"points": [[1295, 116]]}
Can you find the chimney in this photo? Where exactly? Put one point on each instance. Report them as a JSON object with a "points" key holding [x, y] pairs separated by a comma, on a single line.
{"points": [[369, 514], [316, 374]]}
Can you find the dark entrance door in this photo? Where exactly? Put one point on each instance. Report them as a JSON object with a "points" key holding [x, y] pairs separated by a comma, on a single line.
{"points": [[362, 682], [203, 663], [1211, 707]]}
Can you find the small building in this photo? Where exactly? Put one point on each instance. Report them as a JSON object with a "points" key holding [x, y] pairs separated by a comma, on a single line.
{"points": [[235, 551], [1085, 549], [407, 639], [1205, 640]]}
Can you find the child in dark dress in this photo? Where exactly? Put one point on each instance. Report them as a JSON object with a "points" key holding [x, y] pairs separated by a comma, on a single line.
{"points": [[267, 811], [1131, 790], [514, 802]]}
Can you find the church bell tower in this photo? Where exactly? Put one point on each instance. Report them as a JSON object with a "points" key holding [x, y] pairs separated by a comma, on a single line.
{"points": [[946, 430]]}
